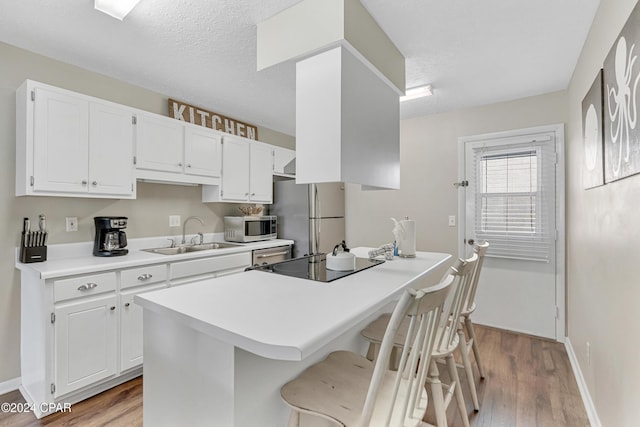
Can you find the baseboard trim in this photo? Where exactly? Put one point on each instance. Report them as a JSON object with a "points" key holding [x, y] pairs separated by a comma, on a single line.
{"points": [[10, 385], [582, 386]]}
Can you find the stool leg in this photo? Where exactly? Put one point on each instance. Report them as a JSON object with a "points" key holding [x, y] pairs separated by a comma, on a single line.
{"points": [[474, 344], [466, 363], [436, 393], [294, 419], [455, 379]]}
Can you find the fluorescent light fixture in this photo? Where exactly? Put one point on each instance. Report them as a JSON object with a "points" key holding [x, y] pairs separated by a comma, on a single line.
{"points": [[116, 8], [416, 92]]}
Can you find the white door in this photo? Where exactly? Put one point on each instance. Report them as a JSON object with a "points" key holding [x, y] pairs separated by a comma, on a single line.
{"points": [[261, 173], [61, 124], [235, 169], [110, 150], [514, 200], [202, 152], [85, 343]]}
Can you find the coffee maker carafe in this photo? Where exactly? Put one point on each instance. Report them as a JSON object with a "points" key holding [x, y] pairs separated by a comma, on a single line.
{"points": [[110, 237]]}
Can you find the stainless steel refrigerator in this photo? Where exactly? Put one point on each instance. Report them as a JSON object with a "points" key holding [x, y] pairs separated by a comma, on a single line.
{"points": [[312, 215]]}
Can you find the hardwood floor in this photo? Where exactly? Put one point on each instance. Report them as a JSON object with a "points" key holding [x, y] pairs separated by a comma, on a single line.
{"points": [[529, 382]]}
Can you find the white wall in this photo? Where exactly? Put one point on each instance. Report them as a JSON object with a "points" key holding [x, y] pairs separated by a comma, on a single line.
{"points": [[429, 167], [603, 234], [148, 215]]}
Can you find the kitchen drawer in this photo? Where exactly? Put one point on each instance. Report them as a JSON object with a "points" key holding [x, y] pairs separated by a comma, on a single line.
{"points": [[143, 276], [82, 286], [207, 266]]}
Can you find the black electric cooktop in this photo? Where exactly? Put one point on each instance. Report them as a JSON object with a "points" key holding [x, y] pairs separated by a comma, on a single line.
{"points": [[314, 267]]}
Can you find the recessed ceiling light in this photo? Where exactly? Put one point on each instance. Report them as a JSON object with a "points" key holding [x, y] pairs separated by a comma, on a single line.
{"points": [[416, 92], [116, 8]]}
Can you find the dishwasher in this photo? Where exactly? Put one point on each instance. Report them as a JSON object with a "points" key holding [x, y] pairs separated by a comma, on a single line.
{"points": [[271, 255]]}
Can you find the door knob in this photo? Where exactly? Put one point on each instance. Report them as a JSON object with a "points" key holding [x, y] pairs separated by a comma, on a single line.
{"points": [[471, 242]]}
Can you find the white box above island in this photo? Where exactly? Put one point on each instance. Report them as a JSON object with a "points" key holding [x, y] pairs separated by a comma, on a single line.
{"points": [[216, 354]]}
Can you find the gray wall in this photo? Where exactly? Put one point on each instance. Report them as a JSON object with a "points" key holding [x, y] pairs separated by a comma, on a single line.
{"points": [[603, 232], [148, 214], [429, 167]]}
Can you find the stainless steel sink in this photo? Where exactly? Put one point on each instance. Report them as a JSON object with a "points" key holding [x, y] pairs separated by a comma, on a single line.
{"points": [[183, 249]]}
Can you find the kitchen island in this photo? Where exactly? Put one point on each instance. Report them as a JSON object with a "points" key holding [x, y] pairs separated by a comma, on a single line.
{"points": [[218, 351]]}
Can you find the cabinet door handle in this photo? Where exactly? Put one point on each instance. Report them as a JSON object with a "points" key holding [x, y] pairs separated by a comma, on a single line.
{"points": [[145, 276], [246, 194], [188, 165], [180, 164], [253, 194], [87, 286], [127, 304], [113, 307], [94, 183], [84, 182]]}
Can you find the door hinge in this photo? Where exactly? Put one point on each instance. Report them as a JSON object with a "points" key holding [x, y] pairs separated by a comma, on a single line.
{"points": [[134, 120], [464, 183], [135, 160], [221, 193], [53, 388], [31, 180], [53, 318], [556, 235], [557, 156], [557, 312], [33, 95], [132, 188]]}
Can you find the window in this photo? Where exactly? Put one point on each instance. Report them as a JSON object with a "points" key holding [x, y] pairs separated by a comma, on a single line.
{"points": [[512, 212]]}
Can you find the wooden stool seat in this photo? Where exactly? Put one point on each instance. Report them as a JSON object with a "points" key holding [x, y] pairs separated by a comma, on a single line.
{"points": [[352, 391], [336, 389]]}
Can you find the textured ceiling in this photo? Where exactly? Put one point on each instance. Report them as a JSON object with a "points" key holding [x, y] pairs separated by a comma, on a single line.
{"points": [[204, 52]]}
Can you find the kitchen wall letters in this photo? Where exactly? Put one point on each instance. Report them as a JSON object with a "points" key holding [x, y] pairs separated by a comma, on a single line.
{"points": [[189, 113]]}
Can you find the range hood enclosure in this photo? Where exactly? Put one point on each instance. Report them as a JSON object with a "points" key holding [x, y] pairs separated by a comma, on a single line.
{"points": [[347, 122]]}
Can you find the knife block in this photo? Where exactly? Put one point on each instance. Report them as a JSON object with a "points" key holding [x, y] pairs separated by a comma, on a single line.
{"points": [[32, 253]]}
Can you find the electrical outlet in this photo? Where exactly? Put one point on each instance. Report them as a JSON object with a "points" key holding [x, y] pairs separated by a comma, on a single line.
{"points": [[72, 223], [174, 220], [452, 220], [588, 346]]}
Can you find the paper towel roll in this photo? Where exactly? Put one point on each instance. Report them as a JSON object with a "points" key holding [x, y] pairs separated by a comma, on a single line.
{"points": [[407, 243]]}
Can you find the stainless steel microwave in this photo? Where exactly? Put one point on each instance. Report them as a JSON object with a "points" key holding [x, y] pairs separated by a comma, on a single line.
{"points": [[249, 228]]}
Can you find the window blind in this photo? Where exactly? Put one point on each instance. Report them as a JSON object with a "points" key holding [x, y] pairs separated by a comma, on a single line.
{"points": [[515, 200]]}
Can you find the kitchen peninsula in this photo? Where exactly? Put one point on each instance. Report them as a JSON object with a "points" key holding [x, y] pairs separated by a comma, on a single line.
{"points": [[218, 351]]}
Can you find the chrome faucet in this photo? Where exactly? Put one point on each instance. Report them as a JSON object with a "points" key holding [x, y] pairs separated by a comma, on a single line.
{"points": [[184, 227]]}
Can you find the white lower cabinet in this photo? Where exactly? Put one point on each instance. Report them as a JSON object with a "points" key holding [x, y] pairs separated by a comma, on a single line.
{"points": [[131, 328], [81, 335], [85, 343], [135, 281], [85, 321]]}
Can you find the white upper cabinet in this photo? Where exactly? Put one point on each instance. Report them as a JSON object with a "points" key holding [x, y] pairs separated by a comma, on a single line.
{"points": [[110, 150], [69, 144], [261, 173], [202, 151], [60, 142], [247, 173], [159, 143], [169, 150], [235, 164]]}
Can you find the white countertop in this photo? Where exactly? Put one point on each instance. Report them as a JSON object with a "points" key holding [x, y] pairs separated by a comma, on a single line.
{"points": [[77, 258], [282, 317]]}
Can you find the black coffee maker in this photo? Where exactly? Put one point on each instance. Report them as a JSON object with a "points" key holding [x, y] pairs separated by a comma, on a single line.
{"points": [[110, 237]]}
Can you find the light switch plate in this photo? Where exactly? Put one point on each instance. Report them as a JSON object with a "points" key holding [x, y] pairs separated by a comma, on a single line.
{"points": [[72, 223], [174, 220], [452, 220]]}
